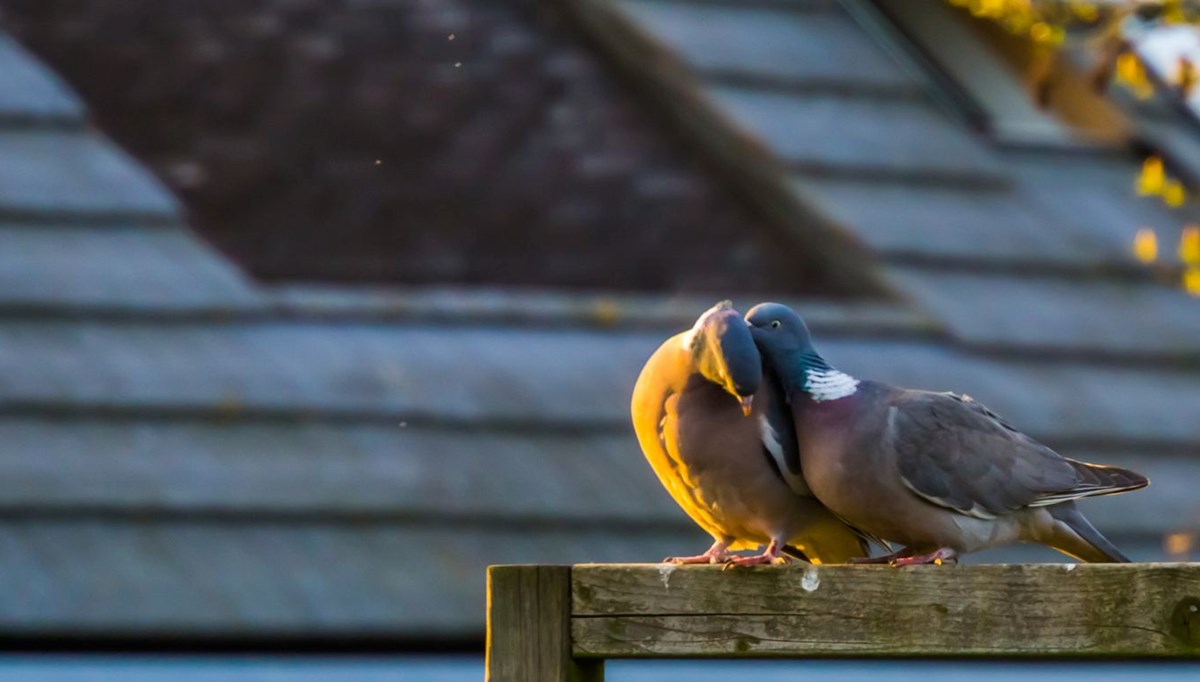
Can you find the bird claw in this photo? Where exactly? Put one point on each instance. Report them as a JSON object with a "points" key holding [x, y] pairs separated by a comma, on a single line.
{"points": [[713, 555], [942, 555], [766, 558], [698, 559], [869, 560], [906, 557], [889, 559]]}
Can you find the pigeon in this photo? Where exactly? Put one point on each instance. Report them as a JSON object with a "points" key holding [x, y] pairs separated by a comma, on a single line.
{"points": [[938, 473], [713, 428]]}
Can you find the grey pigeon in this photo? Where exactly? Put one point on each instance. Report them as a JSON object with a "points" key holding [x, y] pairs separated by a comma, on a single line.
{"points": [[937, 472], [713, 428]]}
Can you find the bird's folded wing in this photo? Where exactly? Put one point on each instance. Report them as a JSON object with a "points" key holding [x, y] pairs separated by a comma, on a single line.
{"points": [[780, 444], [954, 452]]}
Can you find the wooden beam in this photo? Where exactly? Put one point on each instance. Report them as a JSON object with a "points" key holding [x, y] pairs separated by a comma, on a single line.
{"points": [[528, 627], [1036, 610]]}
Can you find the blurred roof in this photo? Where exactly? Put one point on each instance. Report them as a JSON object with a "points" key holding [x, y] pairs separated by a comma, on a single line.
{"points": [[457, 141], [190, 454]]}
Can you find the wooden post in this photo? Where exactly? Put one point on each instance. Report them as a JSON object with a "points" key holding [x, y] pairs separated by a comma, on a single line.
{"points": [[998, 611], [529, 627], [559, 623]]}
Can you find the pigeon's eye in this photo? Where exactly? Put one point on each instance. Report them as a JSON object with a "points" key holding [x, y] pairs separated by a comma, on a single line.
{"points": [[775, 324]]}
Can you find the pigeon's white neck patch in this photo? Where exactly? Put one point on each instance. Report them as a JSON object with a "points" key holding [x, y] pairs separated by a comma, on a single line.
{"points": [[771, 442], [829, 384]]}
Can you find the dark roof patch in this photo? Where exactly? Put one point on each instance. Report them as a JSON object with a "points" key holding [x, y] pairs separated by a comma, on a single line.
{"points": [[465, 141]]}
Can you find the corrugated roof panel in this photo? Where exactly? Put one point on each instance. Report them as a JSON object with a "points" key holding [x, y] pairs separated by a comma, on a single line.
{"points": [[76, 174], [600, 311], [1110, 316], [465, 373], [858, 134], [1096, 195], [314, 469], [30, 92], [1072, 211], [305, 472], [815, 43], [518, 376], [156, 268], [117, 578], [954, 222]]}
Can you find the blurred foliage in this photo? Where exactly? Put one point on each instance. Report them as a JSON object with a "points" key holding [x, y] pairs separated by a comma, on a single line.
{"points": [[1145, 245], [1111, 32], [1054, 21], [1154, 181]]}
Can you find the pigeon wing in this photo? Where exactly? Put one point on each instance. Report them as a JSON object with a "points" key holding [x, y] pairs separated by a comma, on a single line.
{"points": [[956, 453]]}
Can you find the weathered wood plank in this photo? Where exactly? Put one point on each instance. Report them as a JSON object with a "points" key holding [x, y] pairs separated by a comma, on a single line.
{"points": [[528, 627], [1144, 610]]}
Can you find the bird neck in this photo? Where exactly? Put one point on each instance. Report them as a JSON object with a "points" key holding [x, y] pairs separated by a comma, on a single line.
{"points": [[817, 379]]}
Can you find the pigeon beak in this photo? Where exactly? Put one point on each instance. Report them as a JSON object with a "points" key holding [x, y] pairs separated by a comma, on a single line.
{"points": [[747, 405]]}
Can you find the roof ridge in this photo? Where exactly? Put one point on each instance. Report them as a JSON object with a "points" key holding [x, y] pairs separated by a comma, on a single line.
{"points": [[471, 306], [788, 5], [742, 162]]}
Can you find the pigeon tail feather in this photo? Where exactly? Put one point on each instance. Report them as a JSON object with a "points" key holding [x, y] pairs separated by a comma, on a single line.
{"points": [[1095, 480], [1111, 479], [1080, 539]]}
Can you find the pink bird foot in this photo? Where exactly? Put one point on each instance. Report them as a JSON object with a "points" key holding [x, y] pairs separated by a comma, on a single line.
{"points": [[885, 559], [772, 555], [942, 555], [715, 555]]}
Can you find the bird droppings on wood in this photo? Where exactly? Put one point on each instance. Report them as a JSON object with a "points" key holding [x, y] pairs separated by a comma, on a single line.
{"points": [[664, 571], [811, 580]]}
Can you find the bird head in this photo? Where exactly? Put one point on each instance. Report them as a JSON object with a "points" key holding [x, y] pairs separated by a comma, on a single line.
{"points": [[778, 330], [725, 354]]}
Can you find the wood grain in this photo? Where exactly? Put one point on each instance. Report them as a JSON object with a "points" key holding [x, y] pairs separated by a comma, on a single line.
{"points": [[528, 615], [1135, 610]]}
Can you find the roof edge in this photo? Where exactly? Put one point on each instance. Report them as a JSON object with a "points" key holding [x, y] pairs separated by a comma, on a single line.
{"points": [[478, 306], [663, 83]]}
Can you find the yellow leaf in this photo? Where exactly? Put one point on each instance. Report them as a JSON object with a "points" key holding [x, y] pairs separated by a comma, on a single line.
{"points": [[606, 311], [1189, 245], [1153, 177], [1145, 245], [1129, 69], [1191, 280], [1085, 11], [1177, 544], [1174, 194]]}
